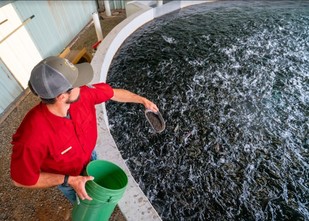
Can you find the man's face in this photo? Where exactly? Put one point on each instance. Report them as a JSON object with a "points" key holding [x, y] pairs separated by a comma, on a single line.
{"points": [[73, 95]]}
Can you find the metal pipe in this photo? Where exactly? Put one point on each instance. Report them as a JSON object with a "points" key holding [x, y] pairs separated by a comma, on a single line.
{"points": [[159, 2], [107, 8], [22, 24], [97, 26]]}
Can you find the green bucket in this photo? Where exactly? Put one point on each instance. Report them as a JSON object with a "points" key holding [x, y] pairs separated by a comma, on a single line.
{"points": [[107, 188]]}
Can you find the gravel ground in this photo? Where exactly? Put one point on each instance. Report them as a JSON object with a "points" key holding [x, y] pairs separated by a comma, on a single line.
{"points": [[40, 204]]}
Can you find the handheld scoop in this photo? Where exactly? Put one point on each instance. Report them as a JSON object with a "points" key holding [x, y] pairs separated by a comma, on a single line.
{"points": [[156, 120]]}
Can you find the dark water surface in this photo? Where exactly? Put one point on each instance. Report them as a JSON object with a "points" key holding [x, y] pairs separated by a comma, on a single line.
{"points": [[232, 81]]}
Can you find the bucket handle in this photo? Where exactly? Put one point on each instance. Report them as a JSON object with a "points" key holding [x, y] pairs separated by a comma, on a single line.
{"points": [[110, 198]]}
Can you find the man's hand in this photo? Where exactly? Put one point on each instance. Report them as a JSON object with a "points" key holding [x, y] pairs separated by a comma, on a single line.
{"points": [[150, 105], [49, 180], [78, 184]]}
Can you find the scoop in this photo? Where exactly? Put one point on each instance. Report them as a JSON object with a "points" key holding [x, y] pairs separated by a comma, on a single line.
{"points": [[156, 120]]}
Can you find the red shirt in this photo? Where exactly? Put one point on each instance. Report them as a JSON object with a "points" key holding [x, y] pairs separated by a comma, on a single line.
{"points": [[48, 143]]}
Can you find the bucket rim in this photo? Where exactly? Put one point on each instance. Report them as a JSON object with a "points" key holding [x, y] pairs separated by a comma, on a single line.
{"points": [[111, 163]]}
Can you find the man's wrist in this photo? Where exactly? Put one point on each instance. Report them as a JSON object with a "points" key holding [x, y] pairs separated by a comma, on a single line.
{"points": [[65, 180]]}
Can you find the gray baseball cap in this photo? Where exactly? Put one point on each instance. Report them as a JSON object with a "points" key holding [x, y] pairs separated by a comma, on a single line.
{"points": [[54, 75]]}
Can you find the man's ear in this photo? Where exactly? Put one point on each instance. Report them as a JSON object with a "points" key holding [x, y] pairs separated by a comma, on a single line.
{"points": [[61, 97]]}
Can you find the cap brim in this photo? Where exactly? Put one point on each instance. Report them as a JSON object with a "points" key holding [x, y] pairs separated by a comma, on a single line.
{"points": [[85, 74]]}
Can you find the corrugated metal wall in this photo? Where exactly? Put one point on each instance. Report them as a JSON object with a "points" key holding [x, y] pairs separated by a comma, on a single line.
{"points": [[113, 4], [55, 23], [54, 26], [117, 4], [10, 89], [18, 55]]}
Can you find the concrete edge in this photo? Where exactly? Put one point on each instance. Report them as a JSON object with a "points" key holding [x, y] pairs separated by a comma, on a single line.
{"points": [[134, 205]]}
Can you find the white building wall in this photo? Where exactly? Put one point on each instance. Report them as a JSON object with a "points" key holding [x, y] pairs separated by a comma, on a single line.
{"points": [[18, 51]]}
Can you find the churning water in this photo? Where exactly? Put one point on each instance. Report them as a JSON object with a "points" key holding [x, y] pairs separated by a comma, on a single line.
{"points": [[231, 80]]}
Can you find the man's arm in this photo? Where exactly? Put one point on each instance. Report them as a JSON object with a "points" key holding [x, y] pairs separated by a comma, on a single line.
{"points": [[49, 180], [121, 95]]}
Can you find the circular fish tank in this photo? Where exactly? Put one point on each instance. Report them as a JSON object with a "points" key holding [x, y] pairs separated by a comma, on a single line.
{"points": [[231, 79]]}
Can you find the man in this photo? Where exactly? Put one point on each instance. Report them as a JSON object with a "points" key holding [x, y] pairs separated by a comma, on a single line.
{"points": [[56, 139]]}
